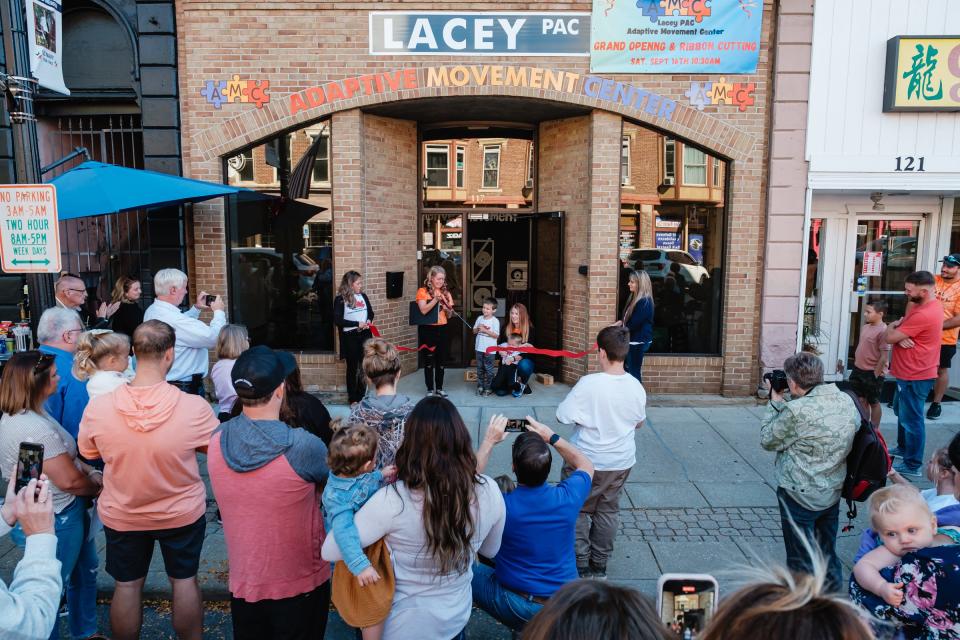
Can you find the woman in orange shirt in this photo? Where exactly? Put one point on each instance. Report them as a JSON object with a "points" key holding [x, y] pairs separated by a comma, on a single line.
{"points": [[432, 293]]}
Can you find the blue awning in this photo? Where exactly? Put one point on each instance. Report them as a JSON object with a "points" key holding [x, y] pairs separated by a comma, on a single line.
{"points": [[96, 189]]}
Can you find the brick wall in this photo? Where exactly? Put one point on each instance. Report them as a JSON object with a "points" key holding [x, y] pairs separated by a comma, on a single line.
{"points": [[324, 41], [390, 224], [564, 185]]}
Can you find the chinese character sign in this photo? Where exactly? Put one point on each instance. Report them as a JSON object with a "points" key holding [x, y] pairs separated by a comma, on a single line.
{"points": [[923, 74], [675, 36]]}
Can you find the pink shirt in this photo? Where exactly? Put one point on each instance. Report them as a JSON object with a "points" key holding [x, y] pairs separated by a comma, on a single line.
{"points": [[924, 324], [148, 438], [273, 528], [872, 343]]}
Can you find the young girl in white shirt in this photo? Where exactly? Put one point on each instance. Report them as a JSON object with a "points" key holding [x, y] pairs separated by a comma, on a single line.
{"points": [[102, 359]]}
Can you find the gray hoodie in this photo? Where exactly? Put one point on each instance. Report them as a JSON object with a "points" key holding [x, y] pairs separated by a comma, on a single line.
{"points": [[249, 444]]}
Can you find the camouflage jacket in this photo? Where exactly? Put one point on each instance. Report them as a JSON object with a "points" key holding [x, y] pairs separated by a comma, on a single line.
{"points": [[812, 436]]}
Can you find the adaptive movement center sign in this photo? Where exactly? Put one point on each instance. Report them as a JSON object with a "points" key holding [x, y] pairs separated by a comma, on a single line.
{"points": [[29, 232], [675, 36]]}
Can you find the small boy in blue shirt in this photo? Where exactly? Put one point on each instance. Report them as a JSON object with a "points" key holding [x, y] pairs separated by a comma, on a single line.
{"points": [[352, 481]]}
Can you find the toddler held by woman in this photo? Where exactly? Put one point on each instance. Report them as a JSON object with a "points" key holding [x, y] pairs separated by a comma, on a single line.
{"points": [[353, 480], [904, 523]]}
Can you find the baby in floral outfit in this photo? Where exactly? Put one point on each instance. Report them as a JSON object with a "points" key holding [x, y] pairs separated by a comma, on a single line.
{"points": [[903, 521]]}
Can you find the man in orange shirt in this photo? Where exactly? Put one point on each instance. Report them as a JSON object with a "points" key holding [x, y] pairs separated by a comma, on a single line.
{"points": [[148, 434], [948, 293]]}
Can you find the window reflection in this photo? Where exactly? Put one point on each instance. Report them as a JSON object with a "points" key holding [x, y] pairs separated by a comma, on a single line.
{"points": [[673, 230], [281, 250]]}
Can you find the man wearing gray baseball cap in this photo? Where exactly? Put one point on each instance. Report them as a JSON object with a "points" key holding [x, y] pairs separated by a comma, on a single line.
{"points": [[265, 476]]}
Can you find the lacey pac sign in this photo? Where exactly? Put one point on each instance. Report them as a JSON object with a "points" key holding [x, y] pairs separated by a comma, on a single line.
{"points": [[29, 234], [479, 33]]}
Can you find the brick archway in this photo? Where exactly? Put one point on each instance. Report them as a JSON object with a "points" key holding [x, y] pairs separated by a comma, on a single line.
{"points": [[256, 125]]}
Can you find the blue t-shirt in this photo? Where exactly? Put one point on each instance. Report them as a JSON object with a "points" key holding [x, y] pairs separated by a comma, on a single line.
{"points": [[537, 551]]}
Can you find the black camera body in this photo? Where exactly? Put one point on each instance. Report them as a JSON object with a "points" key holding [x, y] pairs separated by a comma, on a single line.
{"points": [[778, 380], [209, 299]]}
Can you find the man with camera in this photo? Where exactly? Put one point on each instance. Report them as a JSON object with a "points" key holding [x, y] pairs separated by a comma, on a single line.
{"points": [[536, 554], [812, 434], [194, 337]]}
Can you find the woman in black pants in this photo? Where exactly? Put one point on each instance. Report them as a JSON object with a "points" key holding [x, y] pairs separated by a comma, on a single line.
{"points": [[353, 314], [432, 293]]}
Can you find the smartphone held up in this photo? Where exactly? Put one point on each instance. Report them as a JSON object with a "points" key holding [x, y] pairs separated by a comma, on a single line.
{"points": [[516, 425], [29, 464], [686, 602]]}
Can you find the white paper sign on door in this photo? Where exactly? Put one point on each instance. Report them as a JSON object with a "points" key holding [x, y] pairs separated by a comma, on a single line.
{"points": [[872, 263]]}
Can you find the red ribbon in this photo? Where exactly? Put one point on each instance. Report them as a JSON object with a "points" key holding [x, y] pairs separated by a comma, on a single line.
{"points": [[376, 334], [553, 353]]}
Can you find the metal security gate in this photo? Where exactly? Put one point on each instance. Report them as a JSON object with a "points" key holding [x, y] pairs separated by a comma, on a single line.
{"points": [[100, 249]]}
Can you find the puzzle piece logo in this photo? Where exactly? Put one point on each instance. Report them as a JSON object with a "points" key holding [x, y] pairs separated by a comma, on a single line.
{"points": [[218, 92], [739, 94], [700, 94], [651, 9], [655, 9], [213, 92]]}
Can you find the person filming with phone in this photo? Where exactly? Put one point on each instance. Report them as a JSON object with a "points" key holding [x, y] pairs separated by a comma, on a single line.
{"points": [[28, 608], [536, 554], [34, 443], [812, 433], [194, 337]]}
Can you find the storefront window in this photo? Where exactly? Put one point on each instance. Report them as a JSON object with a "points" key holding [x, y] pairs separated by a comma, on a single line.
{"points": [[491, 167], [281, 250], [676, 234]]}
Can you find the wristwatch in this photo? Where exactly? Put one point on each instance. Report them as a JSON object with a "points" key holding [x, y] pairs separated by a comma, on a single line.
{"points": [[553, 439]]}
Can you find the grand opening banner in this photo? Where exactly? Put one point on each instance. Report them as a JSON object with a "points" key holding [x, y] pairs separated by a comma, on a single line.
{"points": [[675, 36]]}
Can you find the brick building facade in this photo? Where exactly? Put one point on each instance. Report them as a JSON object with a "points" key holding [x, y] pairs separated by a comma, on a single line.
{"points": [[316, 59]]}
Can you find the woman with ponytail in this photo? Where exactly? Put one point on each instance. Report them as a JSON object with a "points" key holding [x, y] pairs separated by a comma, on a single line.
{"points": [[101, 358], [352, 313], [436, 517]]}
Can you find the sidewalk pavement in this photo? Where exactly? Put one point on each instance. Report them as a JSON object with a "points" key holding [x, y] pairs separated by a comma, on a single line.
{"points": [[701, 497]]}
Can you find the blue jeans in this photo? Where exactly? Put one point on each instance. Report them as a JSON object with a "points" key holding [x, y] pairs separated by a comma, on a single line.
{"points": [[78, 560], [819, 528], [911, 433], [509, 608], [635, 359]]}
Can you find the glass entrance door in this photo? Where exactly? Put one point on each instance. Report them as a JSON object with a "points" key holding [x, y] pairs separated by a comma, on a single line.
{"points": [[886, 252]]}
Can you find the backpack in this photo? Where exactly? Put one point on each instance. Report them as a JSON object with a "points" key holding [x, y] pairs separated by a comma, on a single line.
{"points": [[867, 463]]}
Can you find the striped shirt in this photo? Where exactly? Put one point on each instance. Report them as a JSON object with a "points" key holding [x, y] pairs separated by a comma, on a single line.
{"points": [[37, 428]]}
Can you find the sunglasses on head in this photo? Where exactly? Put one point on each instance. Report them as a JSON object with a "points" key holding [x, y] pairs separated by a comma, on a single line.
{"points": [[953, 262], [43, 363]]}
